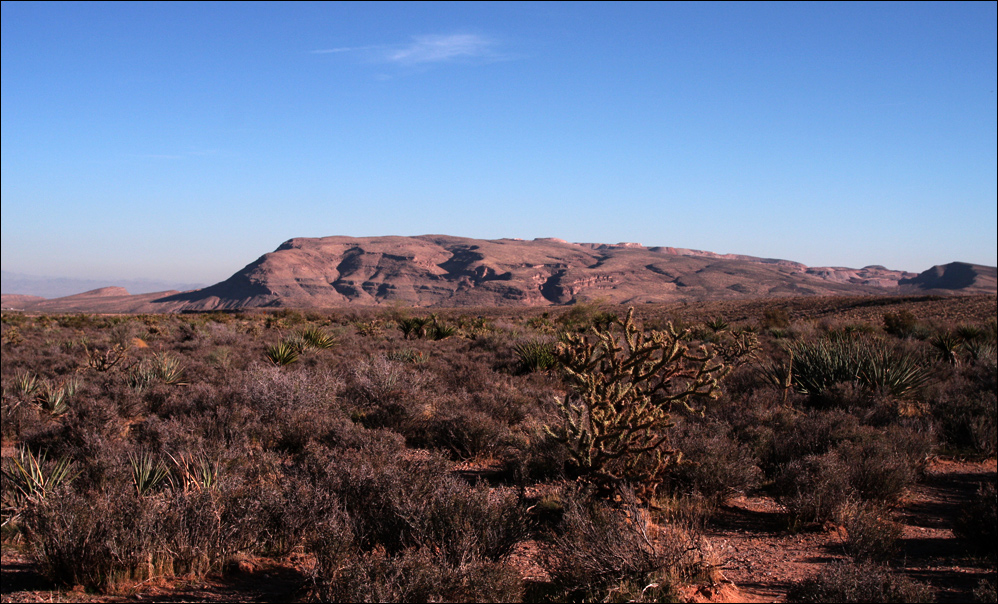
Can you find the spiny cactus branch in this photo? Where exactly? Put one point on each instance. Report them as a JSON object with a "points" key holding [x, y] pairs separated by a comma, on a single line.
{"points": [[623, 382]]}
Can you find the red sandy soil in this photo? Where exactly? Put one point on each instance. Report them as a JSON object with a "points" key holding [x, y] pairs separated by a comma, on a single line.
{"points": [[759, 558]]}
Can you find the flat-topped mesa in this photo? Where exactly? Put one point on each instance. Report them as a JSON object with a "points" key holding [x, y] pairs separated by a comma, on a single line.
{"points": [[443, 270], [447, 271]]}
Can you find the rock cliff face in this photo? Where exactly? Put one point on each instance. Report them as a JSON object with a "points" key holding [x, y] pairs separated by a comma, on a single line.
{"points": [[439, 270]]}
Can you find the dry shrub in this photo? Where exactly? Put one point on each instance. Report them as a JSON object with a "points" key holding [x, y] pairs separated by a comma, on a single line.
{"points": [[813, 488], [457, 406], [97, 542], [714, 464], [197, 530], [968, 421], [294, 407], [977, 526], [858, 582], [882, 464], [407, 505], [417, 574], [454, 425], [409, 530], [813, 433], [901, 324], [109, 538], [985, 591], [613, 553], [540, 457], [872, 535], [385, 393]]}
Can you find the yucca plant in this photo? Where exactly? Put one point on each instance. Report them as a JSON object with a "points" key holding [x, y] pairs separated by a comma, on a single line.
{"points": [[52, 398], [886, 369], [818, 365], [413, 327], [316, 337], [873, 364], [30, 478], [980, 350], [298, 343], [168, 368], [71, 385], [946, 345], [194, 472], [25, 383], [969, 333], [442, 331], [147, 472], [716, 324], [779, 375], [140, 376], [535, 355], [283, 353]]}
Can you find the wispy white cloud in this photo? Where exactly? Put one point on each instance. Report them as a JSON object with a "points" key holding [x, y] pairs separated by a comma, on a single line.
{"points": [[428, 49], [434, 49], [326, 51]]}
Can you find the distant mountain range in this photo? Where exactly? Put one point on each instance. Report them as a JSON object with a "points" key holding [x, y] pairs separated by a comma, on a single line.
{"points": [[444, 271], [55, 287]]}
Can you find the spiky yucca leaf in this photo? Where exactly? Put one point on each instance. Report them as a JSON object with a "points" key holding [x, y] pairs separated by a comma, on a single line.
{"points": [[168, 368], [52, 398], [441, 331], [147, 472], [413, 327], [717, 324], [140, 376], [892, 370], [946, 345], [283, 353], [535, 355], [969, 333], [194, 472], [872, 363], [28, 478], [407, 355], [980, 350], [820, 364], [316, 337], [25, 382]]}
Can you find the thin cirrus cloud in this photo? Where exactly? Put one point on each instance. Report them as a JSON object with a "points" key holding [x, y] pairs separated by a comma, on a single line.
{"points": [[428, 49]]}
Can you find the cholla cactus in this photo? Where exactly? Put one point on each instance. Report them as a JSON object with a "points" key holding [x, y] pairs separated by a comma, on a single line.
{"points": [[623, 384]]}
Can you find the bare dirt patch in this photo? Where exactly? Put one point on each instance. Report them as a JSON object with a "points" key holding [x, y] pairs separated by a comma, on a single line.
{"points": [[763, 558]]}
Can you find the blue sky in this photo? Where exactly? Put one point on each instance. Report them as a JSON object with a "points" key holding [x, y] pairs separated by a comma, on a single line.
{"points": [[179, 141]]}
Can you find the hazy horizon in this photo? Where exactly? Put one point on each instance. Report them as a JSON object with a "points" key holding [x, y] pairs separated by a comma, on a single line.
{"points": [[177, 143]]}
